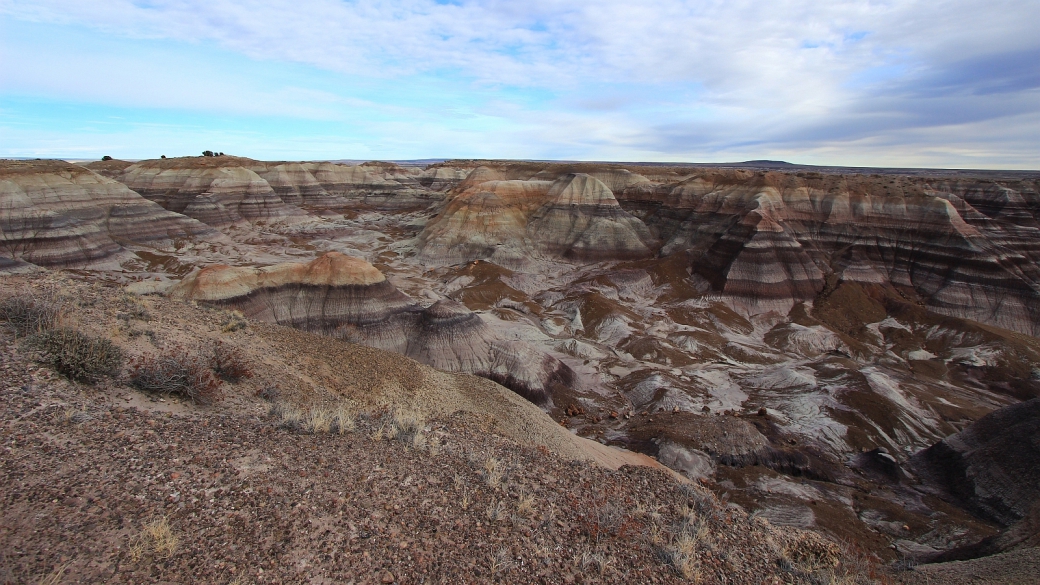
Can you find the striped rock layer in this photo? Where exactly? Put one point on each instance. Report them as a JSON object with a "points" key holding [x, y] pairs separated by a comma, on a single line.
{"points": [[56, 214], [966, 247], [490, 217], [346, 297], [223, 190]]}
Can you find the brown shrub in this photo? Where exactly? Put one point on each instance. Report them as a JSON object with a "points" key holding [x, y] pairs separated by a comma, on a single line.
{"points": [[229, 362], [29, 315], [176, 372], [78, 356]]}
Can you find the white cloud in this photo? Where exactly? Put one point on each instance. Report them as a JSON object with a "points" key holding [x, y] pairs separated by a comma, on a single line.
{"points": [[642, 77]]}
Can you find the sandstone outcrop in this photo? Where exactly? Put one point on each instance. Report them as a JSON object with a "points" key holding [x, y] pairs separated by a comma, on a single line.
{"points": [[346, 297], [56, 214]]}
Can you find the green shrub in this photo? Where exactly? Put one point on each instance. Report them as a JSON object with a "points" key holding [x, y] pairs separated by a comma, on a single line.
{"points": [[78, 356]]}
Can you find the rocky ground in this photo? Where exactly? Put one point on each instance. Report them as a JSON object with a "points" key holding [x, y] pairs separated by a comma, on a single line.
{"points": [[807, 418], [102, 483]]}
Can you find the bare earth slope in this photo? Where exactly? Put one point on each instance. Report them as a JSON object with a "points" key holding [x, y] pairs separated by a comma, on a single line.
{"points": [[106, 484]]}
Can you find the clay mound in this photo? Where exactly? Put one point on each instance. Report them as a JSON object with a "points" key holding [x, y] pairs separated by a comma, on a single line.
{"points": [[485, 221], [295, 184], [582, 221], [346, 297], [993, 466], [768, 239], [490, 217], [217, 190], [56, 214], [758, 262]]}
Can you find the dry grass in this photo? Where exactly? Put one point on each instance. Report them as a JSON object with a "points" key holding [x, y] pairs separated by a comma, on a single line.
{"points": [[682, 546], [156, 539], [810, 553], [601, 562], [234, 321], [407, 427], [289, 417], [318, 420], [525, 504], [495, 511], [501, 561], [56, 576], [72, 416], [492, 473], [343, 419]]}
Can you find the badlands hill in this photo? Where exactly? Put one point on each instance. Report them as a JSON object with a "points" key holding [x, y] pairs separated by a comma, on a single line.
{"points": [[815, 345]]}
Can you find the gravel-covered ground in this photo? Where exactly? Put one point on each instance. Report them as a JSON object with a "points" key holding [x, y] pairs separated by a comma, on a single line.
{"points": [[105, 484]]}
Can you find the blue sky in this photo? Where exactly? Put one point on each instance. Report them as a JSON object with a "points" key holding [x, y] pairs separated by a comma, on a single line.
{"points": [[880, 82]]}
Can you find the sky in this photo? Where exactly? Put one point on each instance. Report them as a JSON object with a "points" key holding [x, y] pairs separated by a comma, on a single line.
{"points": [[937, 83]]}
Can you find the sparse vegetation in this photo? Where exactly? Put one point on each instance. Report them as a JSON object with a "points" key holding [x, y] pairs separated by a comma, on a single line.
{"points": [[72, 416], [319, 420], [157, 539], [56, 576], [492, 472], [229, 363], [525, 504], [175, 371], [78, 356], [29, 315], [407, 427], [808, 553], [234, 321]]}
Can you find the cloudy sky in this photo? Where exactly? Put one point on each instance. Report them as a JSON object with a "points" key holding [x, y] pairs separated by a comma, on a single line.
{"points": [[941, 83]]}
